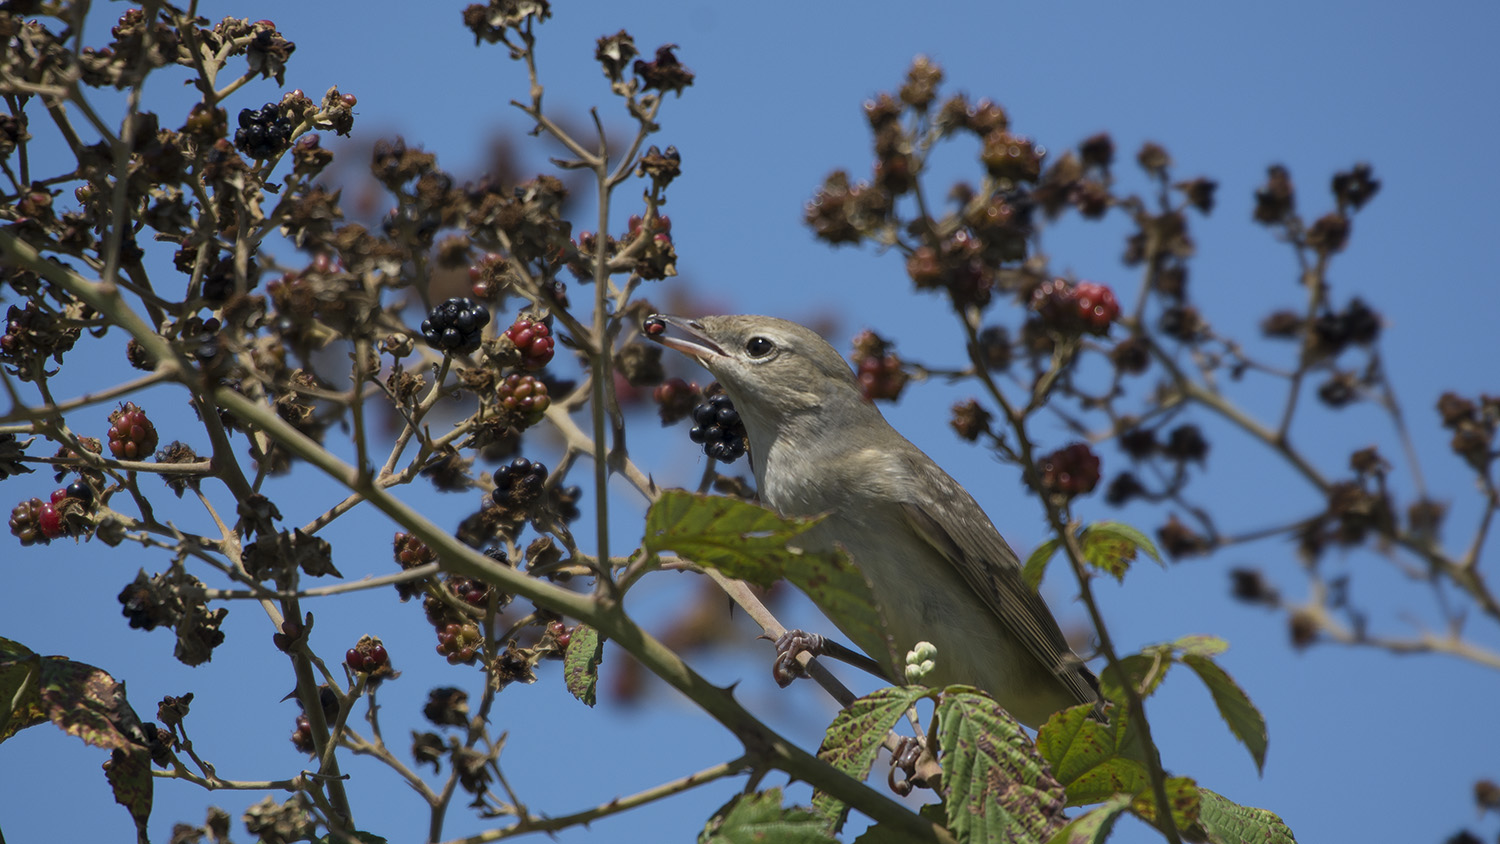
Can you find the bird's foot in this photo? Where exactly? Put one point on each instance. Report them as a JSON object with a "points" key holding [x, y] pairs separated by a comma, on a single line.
{"points": [[789, 646], [918, 766]]}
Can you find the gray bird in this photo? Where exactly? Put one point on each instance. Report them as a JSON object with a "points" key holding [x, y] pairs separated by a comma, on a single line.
{"points": [[937, 566]]}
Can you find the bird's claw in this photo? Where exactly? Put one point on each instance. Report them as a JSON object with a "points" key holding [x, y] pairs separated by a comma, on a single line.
{"points": [[789, 646], [904, 759]]}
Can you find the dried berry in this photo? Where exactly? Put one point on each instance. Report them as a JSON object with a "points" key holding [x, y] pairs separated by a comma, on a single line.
{"points": [[25, 522], [879, 370], [970, 419], [1069, 471], [675, 399]]}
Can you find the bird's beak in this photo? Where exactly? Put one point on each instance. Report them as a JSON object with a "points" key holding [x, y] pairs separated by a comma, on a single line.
{"points": [[695, 344]]}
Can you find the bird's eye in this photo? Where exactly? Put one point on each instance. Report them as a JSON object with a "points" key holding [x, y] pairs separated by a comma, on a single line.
{"points": [[759, 347]]}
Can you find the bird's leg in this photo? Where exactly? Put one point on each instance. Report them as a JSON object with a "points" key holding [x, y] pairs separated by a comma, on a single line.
{"points": [[793, 643], [915, 760]]}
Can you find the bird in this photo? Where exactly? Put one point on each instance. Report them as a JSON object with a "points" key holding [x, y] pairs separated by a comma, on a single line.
{"points": [[937, 566]]}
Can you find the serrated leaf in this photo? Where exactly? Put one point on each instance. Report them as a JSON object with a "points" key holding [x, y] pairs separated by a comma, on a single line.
{"points": [[853, 740], [1126, 533], [129, 775], [1235, 707], [1222, 821], [1144, 671], [1036, 564], [999, 788], [759, 818], [1095, 825], [1093, 761], [1109, 554], [581, 663], [748, 542], [740, 539], [1182, 796]]}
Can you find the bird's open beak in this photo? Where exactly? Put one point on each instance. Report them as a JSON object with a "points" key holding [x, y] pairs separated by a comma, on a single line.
{"points": [[695, 344]]}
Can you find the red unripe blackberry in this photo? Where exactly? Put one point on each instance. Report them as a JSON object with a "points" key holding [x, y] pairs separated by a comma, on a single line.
{"points": [[533, 340], [1096, 307], [459, 643], [49, 521], [1069, 471], [675, 399], [131, 434], [302, 736]]}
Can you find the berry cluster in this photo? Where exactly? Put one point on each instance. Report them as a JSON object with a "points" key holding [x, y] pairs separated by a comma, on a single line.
{"points": [[131, 434], [1069, 471], [519, 484], [410, 552], [533, 340], [456, 325], [263, 132], [523, 399], [302, 737], [31, 332], [718, 428], [369, 656], [1069, 309], [560, 634], [877, 367], [472, 592], [459, 643], [33, 521]]}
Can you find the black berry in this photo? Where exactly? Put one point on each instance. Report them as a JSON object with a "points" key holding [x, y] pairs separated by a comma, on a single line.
{"points": [[456, 325], [718, 428], [519, 483], [263, 132]]}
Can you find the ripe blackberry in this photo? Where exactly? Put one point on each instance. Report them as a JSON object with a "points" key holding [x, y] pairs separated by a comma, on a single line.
{"points": [[565, 502], [456, 325], [263, 132], [1186, 442], [519, 483], [25, 522], [81, 491], [533, 340], [718, 428], [523, 399], [131, 434], [1069, 471]]}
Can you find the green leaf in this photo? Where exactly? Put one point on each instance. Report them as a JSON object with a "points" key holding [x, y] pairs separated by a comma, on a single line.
{"points": [[1093, 761], [1222, 821], [1209, 646], [740, 539], [1036, 564], [853, 740], [748, 542], [1126, 533], [20, 688], [129, 774], [1095, 825], [1144, 671], [1182, 795], [1109, 554], [581, 663], [759, 818], [999, 789], [1244, 720]]}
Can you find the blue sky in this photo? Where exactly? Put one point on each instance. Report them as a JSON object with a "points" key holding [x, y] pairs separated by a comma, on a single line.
{"points": [[1363, 746]]}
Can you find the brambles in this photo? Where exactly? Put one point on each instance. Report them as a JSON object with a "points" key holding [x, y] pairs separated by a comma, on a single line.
{"points": [[519, 484], [523, 399], [533, 340]]}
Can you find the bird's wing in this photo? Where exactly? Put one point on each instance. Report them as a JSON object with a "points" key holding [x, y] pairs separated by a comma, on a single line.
{"points": [[974, 548]]}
